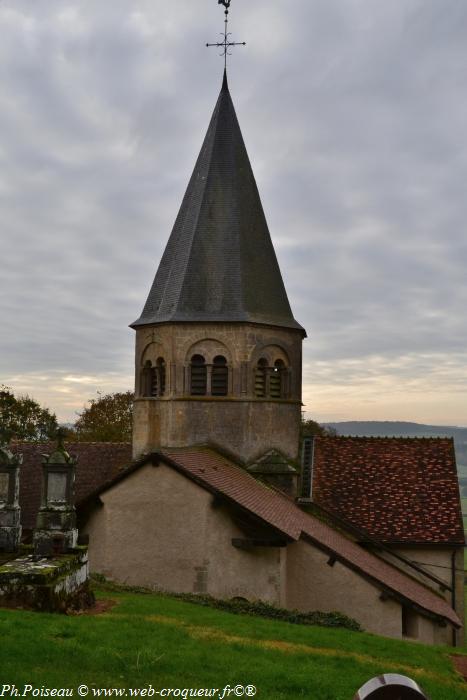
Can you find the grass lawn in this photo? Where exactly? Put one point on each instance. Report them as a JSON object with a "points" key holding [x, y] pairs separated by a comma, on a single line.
{"points": [[151, 639]]}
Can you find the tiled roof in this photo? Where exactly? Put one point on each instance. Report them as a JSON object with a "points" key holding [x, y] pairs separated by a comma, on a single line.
{"points": [[98, 462], [395, 489], [222, 476]]}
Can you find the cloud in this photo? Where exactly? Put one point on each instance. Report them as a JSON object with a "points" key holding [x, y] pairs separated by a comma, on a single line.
{"points": [[354, 116]]}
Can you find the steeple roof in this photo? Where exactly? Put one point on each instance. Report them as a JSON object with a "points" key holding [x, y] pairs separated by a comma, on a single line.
{"points": [[219, 263]]}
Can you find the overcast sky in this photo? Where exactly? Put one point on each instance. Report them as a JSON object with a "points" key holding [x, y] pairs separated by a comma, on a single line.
{"points": [[354, 113]]}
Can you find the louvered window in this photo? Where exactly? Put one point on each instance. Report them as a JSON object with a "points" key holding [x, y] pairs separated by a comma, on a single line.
{"points": [[276, 380], [260, 378], [147, 379], [199, 376], [154, 391], [153, 379], [160, 378], [219, 377]]}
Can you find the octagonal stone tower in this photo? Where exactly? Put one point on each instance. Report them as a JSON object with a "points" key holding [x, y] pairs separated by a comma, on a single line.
{"points": [[218, 351]]}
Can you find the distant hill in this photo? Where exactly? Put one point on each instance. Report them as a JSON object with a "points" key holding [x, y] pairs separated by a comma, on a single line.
{"points": [[405, 429]]}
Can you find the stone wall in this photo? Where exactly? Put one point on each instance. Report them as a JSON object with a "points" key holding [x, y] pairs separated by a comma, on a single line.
{"points": [[240, 422], [245, 428]]}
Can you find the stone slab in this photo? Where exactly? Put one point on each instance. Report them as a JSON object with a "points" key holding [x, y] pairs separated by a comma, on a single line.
{"points": [[50, 584]]}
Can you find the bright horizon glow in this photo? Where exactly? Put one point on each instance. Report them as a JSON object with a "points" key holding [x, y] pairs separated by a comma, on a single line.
{"points": [[375, 400]]}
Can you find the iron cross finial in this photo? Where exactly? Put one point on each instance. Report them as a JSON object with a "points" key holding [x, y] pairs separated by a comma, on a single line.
{"points": [[225, 44]]}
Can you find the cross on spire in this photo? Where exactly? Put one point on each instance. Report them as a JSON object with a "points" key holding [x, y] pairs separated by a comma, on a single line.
{"points": [[226, 43]]}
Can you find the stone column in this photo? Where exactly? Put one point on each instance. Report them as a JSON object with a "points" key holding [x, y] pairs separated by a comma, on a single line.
{"points": [[10, 512], [56, 531]]}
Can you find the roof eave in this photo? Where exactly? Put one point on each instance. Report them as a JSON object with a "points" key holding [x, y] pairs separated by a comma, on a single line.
{"points": [[176, 318]]}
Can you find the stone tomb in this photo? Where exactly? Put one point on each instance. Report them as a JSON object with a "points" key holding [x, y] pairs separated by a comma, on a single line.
{"points": [[53, 574], [10, 514], [46, 584], [56, 531]]}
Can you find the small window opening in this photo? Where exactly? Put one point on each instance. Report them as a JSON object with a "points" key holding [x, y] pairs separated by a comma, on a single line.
{"points": [[199, 376], [409, 623], [220, 377], [260, 378]]}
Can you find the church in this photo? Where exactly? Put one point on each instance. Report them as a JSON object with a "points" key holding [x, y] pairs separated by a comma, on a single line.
{"points": [[218, 494]]}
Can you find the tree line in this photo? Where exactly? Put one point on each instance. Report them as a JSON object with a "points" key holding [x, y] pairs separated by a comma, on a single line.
{"points": [[107, 418]]}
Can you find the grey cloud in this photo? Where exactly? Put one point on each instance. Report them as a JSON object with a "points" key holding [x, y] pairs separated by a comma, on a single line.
{"points": [[354, 115]]}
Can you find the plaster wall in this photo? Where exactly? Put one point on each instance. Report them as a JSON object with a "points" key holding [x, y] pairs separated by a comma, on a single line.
{"points": [[240, 422], [435, 560], [314, 585], [438, 562], [430, 632], [159, 529]]}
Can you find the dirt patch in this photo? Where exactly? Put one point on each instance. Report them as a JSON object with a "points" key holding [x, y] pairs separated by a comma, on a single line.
{"points": [[460, 664], [100, 607], [164, 620]]}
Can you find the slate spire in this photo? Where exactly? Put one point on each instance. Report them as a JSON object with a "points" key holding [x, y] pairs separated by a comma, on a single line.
{"points": [[219, 263]]}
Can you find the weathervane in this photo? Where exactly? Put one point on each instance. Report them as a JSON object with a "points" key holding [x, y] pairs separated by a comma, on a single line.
{"points": [[226, 43]]}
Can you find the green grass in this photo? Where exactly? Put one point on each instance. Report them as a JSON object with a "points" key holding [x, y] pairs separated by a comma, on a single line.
{"points": [[173, 644]]}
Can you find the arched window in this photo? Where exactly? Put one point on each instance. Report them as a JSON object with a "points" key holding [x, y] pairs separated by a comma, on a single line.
{"points": [[261, 373], [146, 378], [153, 378], [220, 377], [199, 376], [160, 380], [276, 380]]}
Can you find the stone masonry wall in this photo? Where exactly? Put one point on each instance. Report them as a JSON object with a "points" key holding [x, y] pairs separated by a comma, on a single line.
{"points": [[239, 422]]}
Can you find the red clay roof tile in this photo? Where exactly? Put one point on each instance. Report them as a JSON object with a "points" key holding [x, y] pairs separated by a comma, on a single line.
{"points": [[394, 489]]}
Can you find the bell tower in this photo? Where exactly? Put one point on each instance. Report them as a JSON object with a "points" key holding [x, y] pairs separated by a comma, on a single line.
{"points": [[218, 351]]}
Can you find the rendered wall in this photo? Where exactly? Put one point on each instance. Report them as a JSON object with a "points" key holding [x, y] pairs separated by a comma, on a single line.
{"points": [[159, 529], [314, 585], [437, 561]]}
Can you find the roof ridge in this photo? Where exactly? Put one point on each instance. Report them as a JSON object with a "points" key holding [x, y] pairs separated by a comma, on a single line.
{"points": [[386, 437]]}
